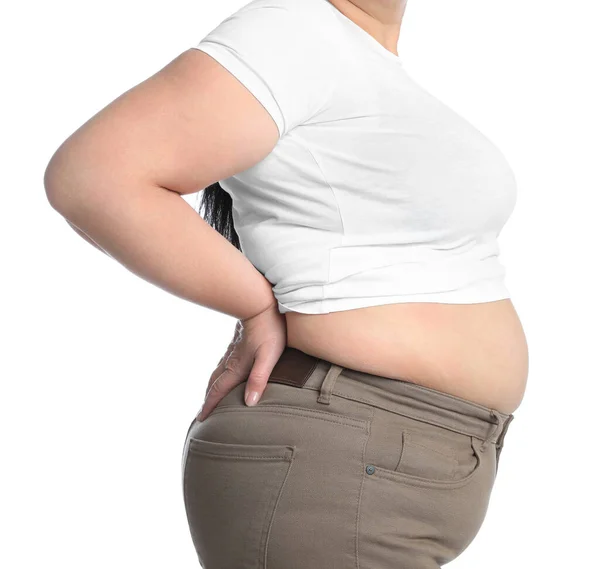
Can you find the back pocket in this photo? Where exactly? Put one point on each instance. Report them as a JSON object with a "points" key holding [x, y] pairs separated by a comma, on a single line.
{"points": [[231, 493]]}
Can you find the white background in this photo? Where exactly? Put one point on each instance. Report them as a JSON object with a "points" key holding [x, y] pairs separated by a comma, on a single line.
{"points": [[102, 372]]}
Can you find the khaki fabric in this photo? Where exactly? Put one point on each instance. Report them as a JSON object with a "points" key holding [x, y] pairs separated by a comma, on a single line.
{"points": [[338, 469]]}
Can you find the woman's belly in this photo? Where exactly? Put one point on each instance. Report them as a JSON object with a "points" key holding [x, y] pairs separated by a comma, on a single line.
{"points": [[474, 351]]}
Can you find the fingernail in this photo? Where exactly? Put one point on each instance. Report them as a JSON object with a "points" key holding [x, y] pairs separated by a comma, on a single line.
{"points": [[252, 398]]}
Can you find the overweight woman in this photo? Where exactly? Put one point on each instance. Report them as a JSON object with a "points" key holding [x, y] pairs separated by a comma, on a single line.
{"points": [[350, 224]]}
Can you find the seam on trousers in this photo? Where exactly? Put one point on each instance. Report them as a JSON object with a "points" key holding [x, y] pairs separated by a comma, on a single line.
{"points": [[360, 490]]}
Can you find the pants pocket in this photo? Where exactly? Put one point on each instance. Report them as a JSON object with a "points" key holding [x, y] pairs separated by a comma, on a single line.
{"points": [[422, 454], [231, 493], [424, 495], [314, 522], [425, 460]]}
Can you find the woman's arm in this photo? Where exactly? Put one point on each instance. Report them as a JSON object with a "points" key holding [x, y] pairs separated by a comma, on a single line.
{"points": [[119, 180], [86, 237]]}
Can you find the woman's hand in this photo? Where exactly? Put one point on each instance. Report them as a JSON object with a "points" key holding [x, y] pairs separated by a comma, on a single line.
{"points": [[252, 354]]}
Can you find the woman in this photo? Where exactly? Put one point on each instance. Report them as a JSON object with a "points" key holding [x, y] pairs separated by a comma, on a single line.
{"points": [[358, 415]]}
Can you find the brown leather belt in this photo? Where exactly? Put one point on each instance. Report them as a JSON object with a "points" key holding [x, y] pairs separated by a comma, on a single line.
{"points": [[294, 367]]}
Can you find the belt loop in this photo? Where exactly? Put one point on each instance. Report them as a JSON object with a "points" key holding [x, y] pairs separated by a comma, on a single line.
{"points": [[494, 431], [328, 383]]}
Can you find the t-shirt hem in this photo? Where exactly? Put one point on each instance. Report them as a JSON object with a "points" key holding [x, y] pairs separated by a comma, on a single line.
{"points": [[491, 293]]}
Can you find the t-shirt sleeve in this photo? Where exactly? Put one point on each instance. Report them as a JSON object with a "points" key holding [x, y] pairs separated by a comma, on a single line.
{"points": [[280, 51]]}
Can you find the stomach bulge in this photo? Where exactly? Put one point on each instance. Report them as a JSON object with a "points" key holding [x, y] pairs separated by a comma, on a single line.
{"points": [[477, 351]]}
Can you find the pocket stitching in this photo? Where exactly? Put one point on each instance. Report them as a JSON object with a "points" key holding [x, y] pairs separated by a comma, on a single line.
{"points": [[402, 447], [401, 477], [447, 455], [288, 457], [297, 412], [361, 490], [196, 447], [407, 441], [264, 545]]}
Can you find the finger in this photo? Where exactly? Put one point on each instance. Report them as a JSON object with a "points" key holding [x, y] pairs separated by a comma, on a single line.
{"points": [[235, 372], [264, 361]]}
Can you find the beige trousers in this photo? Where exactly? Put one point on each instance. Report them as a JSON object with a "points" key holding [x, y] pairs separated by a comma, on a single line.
{"points": [[338, 469]]}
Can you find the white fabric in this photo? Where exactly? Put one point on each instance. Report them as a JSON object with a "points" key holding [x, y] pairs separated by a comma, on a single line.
{"points": [[376, 192]]}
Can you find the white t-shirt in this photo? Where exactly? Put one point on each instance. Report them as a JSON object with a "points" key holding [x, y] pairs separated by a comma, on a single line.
{"points": [[376, 192]]}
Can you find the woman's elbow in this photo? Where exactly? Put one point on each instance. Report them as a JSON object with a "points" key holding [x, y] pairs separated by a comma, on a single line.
{"points": [[77, 181], [58, 183]]}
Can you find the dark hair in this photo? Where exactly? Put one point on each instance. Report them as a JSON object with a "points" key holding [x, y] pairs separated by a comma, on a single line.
{"points": [[218, 212]]}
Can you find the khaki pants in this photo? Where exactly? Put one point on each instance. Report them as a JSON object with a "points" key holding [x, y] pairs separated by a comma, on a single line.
{"points": [[338, 469]]}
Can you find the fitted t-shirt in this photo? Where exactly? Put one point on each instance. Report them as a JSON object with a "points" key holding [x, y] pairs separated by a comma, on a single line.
{"points": [[376, 192]]}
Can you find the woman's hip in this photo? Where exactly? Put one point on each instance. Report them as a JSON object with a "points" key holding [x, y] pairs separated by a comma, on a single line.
{"points": [[334, 467]]}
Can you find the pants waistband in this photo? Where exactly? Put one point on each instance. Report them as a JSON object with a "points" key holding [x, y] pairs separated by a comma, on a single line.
{"points": [[302, 370]]}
